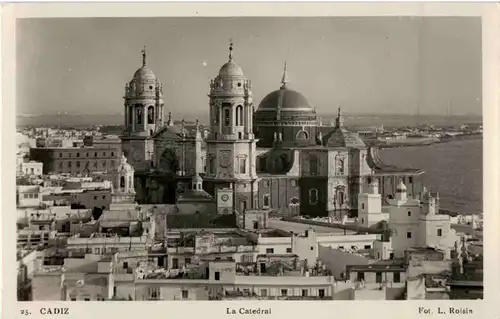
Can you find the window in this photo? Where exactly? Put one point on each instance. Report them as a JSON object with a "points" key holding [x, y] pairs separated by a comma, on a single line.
{"points": [[289, 250], [362, 205], [61, 165], [243, 165], [409, 213], [60, 154], [77, 154], [378, 277], [95, 197], [361, 276], [313, 196], [187, 261], [304, 293], [246, 258], [151, 113], [302, 135], [266, 201], [86, 299], [103, 153], [211, 165], [103, 163], [269, 250], [175, 263], [312, 248], [227, 117], [255, 225], [69, 154], [408, 234], [284, 292], [112, 154], [339, 166], [368, 247], [239, 115], [78, 164], [185, 294], [313, 165], [95, 154], [103, 196], [397, 277], [321, 293], [154, 293], [410, 180], [217, 275], [440, 232], [263, 292], [69, 164], [73, 298]]}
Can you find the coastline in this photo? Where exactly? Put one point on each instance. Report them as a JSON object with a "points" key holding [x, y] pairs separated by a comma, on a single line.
{"points": [[427, 143]]}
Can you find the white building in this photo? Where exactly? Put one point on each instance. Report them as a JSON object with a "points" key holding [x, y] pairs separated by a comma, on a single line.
{"points": [[413, 223]]}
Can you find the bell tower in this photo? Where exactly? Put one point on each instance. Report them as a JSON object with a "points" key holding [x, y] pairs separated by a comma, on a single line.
{"points": [[143, 115], [231, 145]]}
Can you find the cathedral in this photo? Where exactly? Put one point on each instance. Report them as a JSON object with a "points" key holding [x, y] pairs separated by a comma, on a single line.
{"points": [[276, 156]]}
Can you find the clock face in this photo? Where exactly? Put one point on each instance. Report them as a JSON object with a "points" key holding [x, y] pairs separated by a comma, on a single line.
{"points": [[225, 197]]}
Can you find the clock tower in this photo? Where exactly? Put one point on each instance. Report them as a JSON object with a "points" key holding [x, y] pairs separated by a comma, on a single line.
{"points": [[143, 109], [231, 145]]}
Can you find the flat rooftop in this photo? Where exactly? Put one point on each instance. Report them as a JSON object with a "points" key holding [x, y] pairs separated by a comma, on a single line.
{"points": [[296, 227]]}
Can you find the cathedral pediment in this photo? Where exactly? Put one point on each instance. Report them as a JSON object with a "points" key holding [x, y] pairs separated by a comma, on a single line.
{"points": [[168, 133]]}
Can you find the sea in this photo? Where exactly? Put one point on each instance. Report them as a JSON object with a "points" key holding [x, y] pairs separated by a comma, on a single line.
{"points": [[454, 169]]}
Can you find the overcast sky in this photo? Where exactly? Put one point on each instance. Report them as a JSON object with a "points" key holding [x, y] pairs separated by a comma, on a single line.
{"points": [[367, 65]]}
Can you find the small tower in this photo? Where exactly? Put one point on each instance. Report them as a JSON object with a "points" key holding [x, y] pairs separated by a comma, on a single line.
{"points": [[401, 192], [428, 204], [198, 153], [196, 183], [370, 206], [123, 188]]}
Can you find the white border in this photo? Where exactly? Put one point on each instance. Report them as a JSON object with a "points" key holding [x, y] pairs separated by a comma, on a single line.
{"points": [[487, 308]]}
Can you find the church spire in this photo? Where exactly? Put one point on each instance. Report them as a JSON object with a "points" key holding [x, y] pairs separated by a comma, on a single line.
{"points": [[144, 56], [230, 49], [284, 78]]}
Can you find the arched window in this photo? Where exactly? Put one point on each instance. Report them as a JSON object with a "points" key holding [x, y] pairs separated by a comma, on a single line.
{"points": [[227, 117], [130, 115], [302, 135], [239, 115], [151, 114], [122, 182], [313, 165], [313, 196], [211, 165], [340, 166], [139, 114]]}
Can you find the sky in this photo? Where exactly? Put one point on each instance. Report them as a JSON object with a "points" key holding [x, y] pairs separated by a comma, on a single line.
{"points": [[374, 65]]}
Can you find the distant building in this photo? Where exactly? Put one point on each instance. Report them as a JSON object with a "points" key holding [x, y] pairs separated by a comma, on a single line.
{"points": [[76, 160]]}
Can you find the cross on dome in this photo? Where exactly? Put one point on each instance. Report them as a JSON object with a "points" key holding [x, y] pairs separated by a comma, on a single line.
{"points": [[144, 56], [230, 49], [284, 78]]}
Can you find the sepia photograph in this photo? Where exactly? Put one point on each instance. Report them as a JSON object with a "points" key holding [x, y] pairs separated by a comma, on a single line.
{"points": [[249, 158]]}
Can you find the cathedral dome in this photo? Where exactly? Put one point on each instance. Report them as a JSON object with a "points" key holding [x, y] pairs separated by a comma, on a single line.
{"points": [[285, 99], [231, 69], [144, 74]]}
